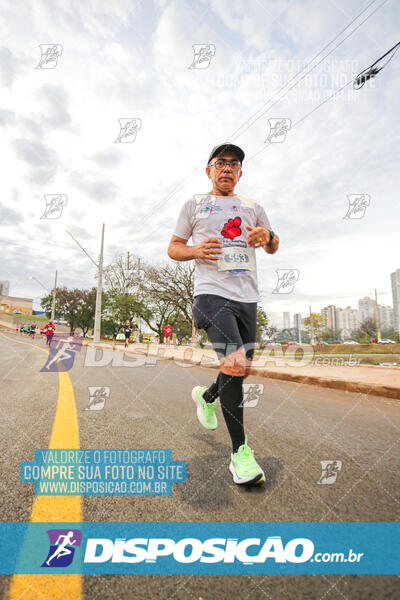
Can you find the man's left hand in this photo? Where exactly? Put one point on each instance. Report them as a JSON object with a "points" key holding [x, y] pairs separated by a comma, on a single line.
{"points": [[258, 236]]}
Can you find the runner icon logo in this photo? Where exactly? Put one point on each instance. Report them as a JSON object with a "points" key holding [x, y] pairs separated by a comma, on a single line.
{"points": [[55, 203], [357, 205], [251, 394], [286, 280], [97, 397], [50, 53], [62, 547], [330, 470], [128, 129], [203, 54], [278, 129]]}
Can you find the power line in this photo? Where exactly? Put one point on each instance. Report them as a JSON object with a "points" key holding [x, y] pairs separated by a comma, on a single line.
{"points": [[314, 66], [189, 177], [370, 72], [308, 64], [303, 118]]}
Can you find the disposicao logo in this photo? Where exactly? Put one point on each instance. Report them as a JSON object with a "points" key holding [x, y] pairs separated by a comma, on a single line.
{"points": [[62, 547], [190, 550]]}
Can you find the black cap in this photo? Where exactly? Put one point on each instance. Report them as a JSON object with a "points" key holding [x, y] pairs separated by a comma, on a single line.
{"points": [[225, 147]]}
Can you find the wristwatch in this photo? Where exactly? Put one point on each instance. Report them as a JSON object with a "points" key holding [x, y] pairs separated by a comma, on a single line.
{"points": [[272, 235]]}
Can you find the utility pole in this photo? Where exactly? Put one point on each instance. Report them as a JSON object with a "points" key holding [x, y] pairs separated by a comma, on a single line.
{"points": [[126, 287], [195, 334], [97, 314], [99, 267], [53, 303], [378, 320], [311, 328], [137, 297]]}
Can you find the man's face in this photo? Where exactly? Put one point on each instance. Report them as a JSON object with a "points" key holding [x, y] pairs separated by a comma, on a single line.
{"points": [[226, 178]]}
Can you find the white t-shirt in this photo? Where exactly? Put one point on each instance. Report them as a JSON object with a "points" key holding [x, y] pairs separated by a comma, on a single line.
{"points": [[223, 217]]}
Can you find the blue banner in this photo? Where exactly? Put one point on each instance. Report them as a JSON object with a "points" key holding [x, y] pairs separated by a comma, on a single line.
{"points": [[205, 548], [103, 472]]}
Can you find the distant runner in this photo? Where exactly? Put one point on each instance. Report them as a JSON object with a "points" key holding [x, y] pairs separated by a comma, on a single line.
{"points": [[127, 332], [49, 330]]}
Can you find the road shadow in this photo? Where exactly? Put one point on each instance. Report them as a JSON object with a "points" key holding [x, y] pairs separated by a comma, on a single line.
{"points": [[209, 484]]}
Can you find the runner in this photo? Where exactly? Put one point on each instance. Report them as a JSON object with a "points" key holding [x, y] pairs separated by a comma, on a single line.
{"points": [[62, 547], [21, 329], [26, 330], [33, 331], [227, 228], [49, 330], [127, 331], [41, 332]]}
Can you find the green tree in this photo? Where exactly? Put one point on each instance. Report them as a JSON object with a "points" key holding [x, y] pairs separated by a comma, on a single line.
{"points": [[168, 290], [262, 325], [271, 332], [330, 335], [69, 304], [287, 335], [366, 331], [318, 324], [85, 317], [118, 308], [46, 303], [391, 334]]}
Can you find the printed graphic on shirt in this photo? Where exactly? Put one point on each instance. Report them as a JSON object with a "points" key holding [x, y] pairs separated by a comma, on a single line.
{"points": [[205, 206], [203, 216], [231, 229], [235, 208]]}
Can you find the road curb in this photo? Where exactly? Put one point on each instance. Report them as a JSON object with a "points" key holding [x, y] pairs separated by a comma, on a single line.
{"points": [[335, 383], [359, 387]]}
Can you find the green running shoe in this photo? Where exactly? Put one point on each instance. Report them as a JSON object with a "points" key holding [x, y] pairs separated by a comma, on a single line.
{"points": [[205, 410], [244, 466]]}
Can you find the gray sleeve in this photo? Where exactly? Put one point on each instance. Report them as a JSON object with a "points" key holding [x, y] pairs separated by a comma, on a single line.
{"points": [[183, 227], [262, 219]]}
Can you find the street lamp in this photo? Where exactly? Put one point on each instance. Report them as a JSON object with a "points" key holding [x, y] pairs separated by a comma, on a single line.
{"points": [[99, 267]]}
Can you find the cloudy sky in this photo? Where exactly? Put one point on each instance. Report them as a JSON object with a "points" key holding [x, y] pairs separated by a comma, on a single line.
{"points": [[131, 60]]}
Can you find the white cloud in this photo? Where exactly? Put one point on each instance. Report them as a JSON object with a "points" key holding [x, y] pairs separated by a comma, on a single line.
{"points": [[131, 60]]}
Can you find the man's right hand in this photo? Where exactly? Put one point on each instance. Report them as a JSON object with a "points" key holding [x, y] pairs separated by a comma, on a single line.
{"points": [[208, 249]]}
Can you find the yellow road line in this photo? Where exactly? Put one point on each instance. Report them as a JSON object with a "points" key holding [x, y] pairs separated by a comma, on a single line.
{"points": [[65, 434]]}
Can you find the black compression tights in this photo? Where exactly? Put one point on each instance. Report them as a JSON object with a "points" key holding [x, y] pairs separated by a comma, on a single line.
{"points": [[230, 392]]}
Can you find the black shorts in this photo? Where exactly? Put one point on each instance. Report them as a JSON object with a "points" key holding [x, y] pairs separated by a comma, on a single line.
{"points": [[127, 336], [229, 324]]}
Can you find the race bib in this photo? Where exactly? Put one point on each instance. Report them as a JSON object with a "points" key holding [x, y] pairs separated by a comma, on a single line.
{"points": [[236, 257]]}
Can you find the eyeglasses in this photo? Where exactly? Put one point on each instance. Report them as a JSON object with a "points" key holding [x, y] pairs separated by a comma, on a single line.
{"points": [[221, 164]]}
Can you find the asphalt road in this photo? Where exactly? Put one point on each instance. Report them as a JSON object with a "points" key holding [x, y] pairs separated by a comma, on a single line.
{"points": [[291, 429]]}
